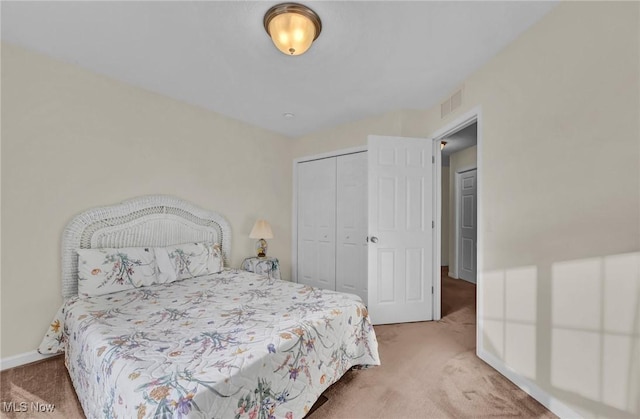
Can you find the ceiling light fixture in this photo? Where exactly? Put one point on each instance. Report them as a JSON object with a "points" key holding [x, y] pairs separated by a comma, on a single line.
{"points": [[292, 27], [442, 144]]}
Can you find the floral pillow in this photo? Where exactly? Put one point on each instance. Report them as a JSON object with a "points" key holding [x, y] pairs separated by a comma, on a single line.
{"points": [[190, 260], [103, 271]]}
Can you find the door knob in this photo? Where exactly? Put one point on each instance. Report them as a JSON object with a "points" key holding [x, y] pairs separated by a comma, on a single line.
{"points": [[374, 239]]}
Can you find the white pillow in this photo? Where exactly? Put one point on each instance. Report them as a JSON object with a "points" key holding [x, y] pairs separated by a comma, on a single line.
{"points": [[103, 271], [190, 260]]}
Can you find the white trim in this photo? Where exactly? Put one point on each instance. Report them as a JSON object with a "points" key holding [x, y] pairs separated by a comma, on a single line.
{"points": [[330, 154], [554, 405], [459, 123], [437, 231], [294, 223], [480, 231], [294, 209], [22, 359]]}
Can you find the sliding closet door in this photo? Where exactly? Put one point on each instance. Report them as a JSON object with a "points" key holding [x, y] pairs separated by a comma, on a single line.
{"points": [[317, 223], [351, 224]]}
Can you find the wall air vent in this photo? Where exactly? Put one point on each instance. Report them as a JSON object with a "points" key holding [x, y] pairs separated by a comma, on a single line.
{"points": [[452, 103], [445, 108], [456, 100]]}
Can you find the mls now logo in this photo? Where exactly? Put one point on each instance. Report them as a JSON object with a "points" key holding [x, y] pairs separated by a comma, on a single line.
{"points": [[27, 407], [15, 407]]}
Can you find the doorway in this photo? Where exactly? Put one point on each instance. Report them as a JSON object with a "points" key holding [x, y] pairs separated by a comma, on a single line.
{"points": [[460, 153], [459, 203]]}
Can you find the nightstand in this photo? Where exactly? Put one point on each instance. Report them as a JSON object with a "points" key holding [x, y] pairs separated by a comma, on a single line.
{"points": [[268, 266]]}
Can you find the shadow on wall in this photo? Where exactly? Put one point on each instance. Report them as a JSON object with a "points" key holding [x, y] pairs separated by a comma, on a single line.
{"points": [[573, 327]]}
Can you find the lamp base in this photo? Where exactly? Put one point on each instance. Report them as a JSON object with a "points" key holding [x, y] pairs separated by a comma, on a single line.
{"points": [[261, 248]]}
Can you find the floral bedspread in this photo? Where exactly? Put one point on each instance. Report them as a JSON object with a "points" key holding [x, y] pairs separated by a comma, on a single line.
{"points": [[230, 345]]}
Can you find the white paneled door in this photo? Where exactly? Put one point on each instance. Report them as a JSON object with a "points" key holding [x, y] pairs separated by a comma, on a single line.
{"points": [[467, 192], [400, 249], [351, 220], [317, 223]]}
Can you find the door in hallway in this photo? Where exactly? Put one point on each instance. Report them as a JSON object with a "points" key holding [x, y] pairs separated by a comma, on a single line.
{"points": [[468, 231]]}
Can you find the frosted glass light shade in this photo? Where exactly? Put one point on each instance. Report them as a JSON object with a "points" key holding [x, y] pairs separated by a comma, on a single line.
{"points": [[261, 230], [292, 27], [291, 33]]}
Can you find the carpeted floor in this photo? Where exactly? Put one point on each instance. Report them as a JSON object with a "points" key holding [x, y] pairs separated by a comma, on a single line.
{"points": [[44, 382], [429, 370]]}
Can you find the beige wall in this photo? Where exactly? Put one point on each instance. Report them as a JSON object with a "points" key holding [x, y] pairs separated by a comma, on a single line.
{"points": [[462, 160], [349, 135], [72, 140]]}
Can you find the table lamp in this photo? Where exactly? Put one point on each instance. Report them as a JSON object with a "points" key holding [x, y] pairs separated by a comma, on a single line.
{"points": [[261, 230]]}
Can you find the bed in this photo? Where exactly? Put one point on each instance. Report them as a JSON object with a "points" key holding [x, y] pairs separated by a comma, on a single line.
{"points": [[228, 344]]}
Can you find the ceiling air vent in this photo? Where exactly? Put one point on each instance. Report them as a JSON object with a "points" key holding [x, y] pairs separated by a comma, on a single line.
{"points": [[451, 104]]}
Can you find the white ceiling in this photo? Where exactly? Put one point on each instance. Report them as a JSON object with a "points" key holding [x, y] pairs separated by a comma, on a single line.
{"points": [[371, 57]]}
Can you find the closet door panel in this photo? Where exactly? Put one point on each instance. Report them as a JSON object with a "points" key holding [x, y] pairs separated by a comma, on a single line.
{"points": [[317, 223], [351, 224]]}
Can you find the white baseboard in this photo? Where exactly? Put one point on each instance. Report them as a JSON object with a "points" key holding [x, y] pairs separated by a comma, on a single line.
{"points": [[554, 405], [21, 359]]}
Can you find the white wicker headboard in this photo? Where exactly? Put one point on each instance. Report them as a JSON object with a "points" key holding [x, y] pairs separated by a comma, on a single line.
{"points": [[154, 220]]}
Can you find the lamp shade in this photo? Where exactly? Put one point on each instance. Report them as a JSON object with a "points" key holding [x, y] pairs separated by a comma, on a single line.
{"points": [[292, 27], [261, 230]]}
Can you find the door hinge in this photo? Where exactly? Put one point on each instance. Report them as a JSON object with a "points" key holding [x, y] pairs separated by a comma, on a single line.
{"points": [[432, 290], [433, 224], [433, 159]]}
